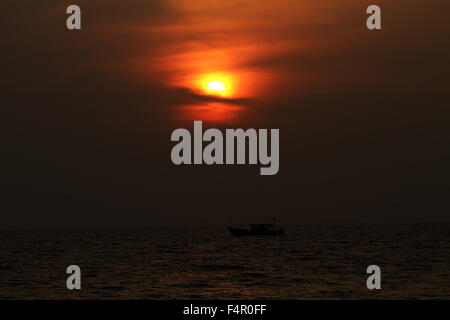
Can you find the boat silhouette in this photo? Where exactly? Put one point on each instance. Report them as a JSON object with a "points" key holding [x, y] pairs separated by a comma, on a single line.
{"points": [[261, 229]]}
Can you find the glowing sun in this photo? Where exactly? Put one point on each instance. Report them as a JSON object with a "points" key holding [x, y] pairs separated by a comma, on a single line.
{"points": [[216, 86]]}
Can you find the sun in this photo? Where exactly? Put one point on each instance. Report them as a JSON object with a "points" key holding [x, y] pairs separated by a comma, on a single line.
{"points": [[219, 84], [216, 86]]}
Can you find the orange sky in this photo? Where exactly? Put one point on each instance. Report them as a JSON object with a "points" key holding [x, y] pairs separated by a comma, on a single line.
{"points": [[221, 40], [226, 41], [269, 52]]}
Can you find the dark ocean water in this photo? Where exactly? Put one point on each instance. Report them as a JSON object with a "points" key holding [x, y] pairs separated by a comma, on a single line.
{"points": [[310, 262]]}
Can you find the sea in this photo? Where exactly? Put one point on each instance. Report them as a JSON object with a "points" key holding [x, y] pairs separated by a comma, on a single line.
{"points": [[308, 262]]}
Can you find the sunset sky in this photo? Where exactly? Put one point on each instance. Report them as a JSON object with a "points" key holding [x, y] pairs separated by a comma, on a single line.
{"points": [[86, 116]]}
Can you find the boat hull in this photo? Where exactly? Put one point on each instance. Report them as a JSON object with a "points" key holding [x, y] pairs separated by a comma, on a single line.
{"points": [[244, 232]]}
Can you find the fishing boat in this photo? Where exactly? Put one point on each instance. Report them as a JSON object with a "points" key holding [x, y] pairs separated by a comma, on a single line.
{"points": [[262, 229]]}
